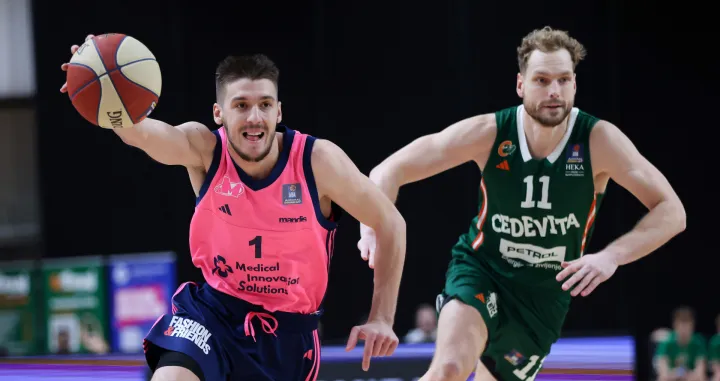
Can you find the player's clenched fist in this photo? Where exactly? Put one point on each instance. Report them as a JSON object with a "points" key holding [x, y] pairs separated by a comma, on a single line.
{"points": [[380, 341]]}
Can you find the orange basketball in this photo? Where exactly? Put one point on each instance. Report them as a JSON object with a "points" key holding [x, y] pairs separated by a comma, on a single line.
{"points": [[114, 81]]}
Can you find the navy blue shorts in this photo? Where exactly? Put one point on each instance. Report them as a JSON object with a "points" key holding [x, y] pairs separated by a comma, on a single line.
{"points": [[231, 339]]}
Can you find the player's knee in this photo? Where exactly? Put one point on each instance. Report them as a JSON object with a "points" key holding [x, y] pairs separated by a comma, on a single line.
{"points": [[447, 370], [174, 373]]}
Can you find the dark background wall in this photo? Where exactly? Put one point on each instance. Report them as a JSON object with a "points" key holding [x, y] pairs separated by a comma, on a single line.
{"points": [[372, 76]]}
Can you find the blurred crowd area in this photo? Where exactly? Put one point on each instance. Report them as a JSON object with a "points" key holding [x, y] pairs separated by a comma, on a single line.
{"points": [[681, 353]]}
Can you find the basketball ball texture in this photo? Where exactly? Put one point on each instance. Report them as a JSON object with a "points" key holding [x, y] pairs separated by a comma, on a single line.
{"points": [[114, 81]]}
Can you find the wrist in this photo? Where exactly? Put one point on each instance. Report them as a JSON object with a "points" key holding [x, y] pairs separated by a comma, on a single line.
{"points": [[616, 256], [380, 318]]}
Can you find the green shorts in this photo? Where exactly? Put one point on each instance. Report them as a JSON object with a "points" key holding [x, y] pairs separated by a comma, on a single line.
{"points": [[522, 323]]}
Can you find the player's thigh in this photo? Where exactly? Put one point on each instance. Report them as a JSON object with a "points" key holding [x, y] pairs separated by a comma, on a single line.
{"points": [[461, 337], [174, 373]]}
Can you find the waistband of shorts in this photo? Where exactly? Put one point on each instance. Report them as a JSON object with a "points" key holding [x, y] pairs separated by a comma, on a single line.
{"points": [[236, 310]]}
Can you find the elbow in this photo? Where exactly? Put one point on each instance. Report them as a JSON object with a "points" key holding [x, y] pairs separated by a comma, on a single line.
{"points": [[680, 217], [384, 173]]}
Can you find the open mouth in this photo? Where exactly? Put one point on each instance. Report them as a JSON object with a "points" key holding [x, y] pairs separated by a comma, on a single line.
{"points": [[253, 136]]}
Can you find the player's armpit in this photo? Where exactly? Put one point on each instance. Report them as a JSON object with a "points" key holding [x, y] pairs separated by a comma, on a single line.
{"points": [[338, 178], [470, 139], [190, 144], [612, 153]]}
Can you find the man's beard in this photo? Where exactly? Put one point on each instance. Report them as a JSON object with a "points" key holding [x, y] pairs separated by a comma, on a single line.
{"points": [[536, 112], [270, 141]]}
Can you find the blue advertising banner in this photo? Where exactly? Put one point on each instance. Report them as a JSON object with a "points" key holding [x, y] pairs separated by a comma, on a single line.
{"points": [[141, 287]]}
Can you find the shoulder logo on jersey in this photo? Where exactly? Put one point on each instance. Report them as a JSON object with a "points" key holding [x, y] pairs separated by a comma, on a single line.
{"points": [[291, 194], [575, 153], [229, 188], [506, 148]]}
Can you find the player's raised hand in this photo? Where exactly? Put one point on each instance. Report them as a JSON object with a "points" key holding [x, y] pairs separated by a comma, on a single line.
{"points": [[64, 66], [367, 245], [588, 272], [380, 340]]}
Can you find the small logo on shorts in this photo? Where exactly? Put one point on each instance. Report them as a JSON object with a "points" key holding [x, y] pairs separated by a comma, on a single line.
{"points": [[515, 358], [492, 304], [190, 330], [291, 194]]}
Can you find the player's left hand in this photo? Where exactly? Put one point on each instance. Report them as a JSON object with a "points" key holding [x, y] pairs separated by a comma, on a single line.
{"points": [[588, 272], [380, 340]]}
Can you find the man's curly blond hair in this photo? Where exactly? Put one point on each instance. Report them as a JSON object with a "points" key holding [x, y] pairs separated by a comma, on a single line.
{"points": [[548, 40]]}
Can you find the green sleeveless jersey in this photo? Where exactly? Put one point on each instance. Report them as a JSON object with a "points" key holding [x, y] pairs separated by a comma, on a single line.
{"points": [[534, 214]]}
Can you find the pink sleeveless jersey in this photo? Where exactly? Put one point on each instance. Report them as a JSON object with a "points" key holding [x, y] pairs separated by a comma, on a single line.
{"points": [[264, 241]]}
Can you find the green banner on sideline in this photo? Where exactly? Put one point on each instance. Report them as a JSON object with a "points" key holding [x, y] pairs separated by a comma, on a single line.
{"points": [[75, 304], [19, 333]]}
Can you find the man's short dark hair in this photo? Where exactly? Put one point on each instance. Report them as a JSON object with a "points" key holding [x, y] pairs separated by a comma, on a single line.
{"points": [[232, 68], [684, 314]]}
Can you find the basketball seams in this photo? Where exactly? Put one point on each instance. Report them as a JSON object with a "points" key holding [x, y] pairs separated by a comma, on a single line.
{"points": [[97, 77], [119, 67], [135, 83], [111, 80]]}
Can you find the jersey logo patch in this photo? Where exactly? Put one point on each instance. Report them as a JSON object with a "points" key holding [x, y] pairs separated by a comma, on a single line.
{"points": [[506, 148], [504, 165], [229, 188], [575, 153], [291, 194]]}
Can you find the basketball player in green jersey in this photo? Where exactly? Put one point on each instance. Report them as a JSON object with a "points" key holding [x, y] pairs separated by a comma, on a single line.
{"points": [[545, 166], [714, 352]]}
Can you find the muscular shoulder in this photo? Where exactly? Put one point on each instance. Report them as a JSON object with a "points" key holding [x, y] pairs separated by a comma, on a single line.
{"points": [[201, 139], [476, 136], [609, 146], [326, 156], [333, 170]]}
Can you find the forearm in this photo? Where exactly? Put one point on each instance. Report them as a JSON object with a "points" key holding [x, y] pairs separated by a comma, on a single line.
{"points": [[662, 223], [163, 142], [149, 132], [389, 262]]}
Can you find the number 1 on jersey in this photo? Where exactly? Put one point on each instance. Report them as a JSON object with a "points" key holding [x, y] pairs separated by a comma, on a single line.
{"points": [[529, 202], [257, 242]]}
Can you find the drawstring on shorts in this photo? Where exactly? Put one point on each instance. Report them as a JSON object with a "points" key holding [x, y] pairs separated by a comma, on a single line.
{"points": [[265, 320]]}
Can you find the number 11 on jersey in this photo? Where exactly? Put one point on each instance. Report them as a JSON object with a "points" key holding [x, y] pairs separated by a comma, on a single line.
{"points": [[529, 202]]}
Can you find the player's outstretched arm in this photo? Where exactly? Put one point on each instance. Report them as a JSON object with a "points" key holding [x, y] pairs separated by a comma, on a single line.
{"points": [[467, 140], [189, 144], [338, 178], [470, 139], [614, 155]]}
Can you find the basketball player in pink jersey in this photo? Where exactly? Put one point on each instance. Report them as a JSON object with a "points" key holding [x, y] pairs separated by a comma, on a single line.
{"points": [[268, 200]]}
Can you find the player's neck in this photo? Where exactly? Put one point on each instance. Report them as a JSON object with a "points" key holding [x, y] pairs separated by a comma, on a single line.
{"points": [[261, 169], [542, 140]]}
